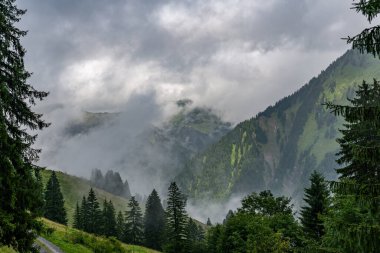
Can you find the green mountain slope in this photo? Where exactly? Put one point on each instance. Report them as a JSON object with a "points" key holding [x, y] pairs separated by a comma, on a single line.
{"points": [[74, 241], [280, 147], [74, 188]]}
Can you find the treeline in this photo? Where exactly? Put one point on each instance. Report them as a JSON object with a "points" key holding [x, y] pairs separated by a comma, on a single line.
{"points": [[170, 230]]}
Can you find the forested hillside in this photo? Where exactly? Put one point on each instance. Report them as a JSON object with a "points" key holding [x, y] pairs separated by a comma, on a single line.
{"points": [[74, 188], [280, 147]]}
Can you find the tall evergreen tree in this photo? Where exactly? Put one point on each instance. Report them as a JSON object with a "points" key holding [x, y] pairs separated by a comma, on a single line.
{"points": [[83, 215], [369, 39], [77, 217], [176, 220], [360, 144], [109, 220], [154, 222], [317, 200], [134, 223], [208, 223], [54, 202], [359, 174], [120, 227], [353, 224], [20, 198], [92, 215]]}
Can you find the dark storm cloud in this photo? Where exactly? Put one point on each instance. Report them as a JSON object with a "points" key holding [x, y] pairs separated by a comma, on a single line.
{"points": [[201, 49]]}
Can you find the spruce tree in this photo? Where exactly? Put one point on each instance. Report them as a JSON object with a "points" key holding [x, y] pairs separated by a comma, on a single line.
{"points": [[20, 198], [54, 202], [368, 40], [120, 227], [360, 144], [83, 217], [134, 223], [154, 222], [359, 175], [317, 200], [208, 223], [77, 217], [109, 220], [353, 224], [176, 220], [93, 215]]}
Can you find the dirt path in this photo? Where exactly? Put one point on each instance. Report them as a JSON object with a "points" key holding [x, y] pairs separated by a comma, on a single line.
{"points": [[48, 247]]}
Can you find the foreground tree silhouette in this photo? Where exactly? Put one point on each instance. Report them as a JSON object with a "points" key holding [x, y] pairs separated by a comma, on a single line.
{"points": [[359, 186], [368, 39], [154, 222], [176, 220], [20, 198], [92, 214], [134, 222], [317, 200], [54, 202]]}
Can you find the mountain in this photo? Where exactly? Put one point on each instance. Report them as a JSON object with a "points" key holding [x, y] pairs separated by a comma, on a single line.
{"points": [[87, 122], [280, 147], [148, 156]]}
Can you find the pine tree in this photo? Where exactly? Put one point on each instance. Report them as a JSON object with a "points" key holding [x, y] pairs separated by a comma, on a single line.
{"points": [[369, 39], [317, 200], [360, 144], [154, 222], [359, 174], [54, 202], [83, 217], [77, 217], [93, 215], [20, 198], [120, 227], [134, 223], [109, 221], [208, 223], [176, 220]]}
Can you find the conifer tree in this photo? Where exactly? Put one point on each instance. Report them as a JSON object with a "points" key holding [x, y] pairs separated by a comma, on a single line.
{"points": [[154, 222], [176, 220], [20, 198], [120, 227], [92, 216], [54, 202], [77, 217], [134, 223], [368, 40], [109, 220], [83, 218], [317, 200], [208, 223], [360, 144]]}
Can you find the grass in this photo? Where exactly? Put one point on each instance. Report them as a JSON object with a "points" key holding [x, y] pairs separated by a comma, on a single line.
{"points": [[71, 240], [74, 188], [6, 250]]}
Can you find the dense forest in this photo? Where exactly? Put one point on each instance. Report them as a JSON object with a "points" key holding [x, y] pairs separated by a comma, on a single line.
{"points": [[339, 215]]}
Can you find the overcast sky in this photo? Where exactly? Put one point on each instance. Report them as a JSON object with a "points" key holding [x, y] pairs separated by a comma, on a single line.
{"points": [[236, 56]]}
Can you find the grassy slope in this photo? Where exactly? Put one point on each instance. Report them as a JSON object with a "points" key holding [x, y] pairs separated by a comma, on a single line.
{"points": [[73, 188], [67, 239], [6, 250]]}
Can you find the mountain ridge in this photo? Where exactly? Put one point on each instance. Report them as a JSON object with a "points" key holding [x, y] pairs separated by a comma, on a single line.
{"points": [[279, 147]]}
